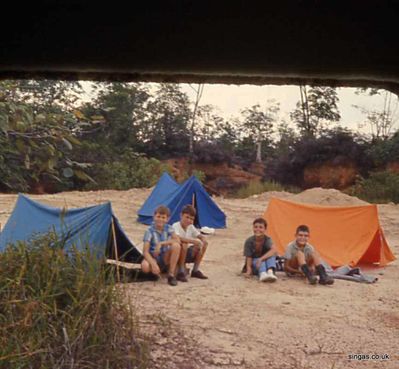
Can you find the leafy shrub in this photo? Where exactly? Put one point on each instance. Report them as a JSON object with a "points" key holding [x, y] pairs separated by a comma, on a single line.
{"points": [[209, 152], [380, 187], [63, 311], [132, 170], [336, 146]]}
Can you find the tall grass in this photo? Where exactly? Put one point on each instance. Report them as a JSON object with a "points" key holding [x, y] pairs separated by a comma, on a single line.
{"points": [[63, 311], [256, 187], [380, 187]]}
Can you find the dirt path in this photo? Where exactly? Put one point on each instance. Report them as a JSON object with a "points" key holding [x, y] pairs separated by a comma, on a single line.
{"points": [[231, 322]]}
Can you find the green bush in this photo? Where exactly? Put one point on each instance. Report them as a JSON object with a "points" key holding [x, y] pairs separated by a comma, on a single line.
{"points": [[63, 311], [256, 187], [131, 171], [380, 187]]}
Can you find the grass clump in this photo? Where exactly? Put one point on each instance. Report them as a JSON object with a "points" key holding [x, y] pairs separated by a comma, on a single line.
{"points": [[379, 187], [61, 310], [256, 187]]}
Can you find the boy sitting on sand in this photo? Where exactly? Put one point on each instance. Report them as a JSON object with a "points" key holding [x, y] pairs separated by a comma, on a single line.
{"points": [[193, 244], [302, 258], [259, 253], [161, 246]]}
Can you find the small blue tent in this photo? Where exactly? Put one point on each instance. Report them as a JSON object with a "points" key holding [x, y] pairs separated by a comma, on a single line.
{"points": [[82, 227], [175, 196]]}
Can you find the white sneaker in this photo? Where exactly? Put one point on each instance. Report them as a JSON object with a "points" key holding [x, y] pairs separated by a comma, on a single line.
{"points": [[270, 277], [263, 277]]}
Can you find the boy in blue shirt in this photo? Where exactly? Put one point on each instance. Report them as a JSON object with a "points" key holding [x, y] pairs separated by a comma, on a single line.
{"points": [[161, 246]]}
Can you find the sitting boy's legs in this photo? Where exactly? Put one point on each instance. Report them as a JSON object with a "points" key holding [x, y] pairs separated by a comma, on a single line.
{"points": [[195, 254], [315, 261], [181, 274], [265, 271], [299, 261], [170, 258], [309, 263]]}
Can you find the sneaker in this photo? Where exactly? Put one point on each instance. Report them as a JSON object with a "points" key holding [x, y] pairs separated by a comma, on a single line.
{"points": [[172, 280], [198, 274], [271, 276], [267, 277], [263, 277], [181, 277]]}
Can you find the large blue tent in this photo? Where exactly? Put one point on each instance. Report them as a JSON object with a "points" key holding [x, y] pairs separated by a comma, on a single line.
{"points": [[82, 227], [175, 196]]}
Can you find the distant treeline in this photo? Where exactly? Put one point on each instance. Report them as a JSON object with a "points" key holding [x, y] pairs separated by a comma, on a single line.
{"points": [[50, 140]]}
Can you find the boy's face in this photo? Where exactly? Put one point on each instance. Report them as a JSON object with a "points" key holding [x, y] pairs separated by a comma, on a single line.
{"points": [[160, 219], [186, 220], [302, 238], [259, 229]]}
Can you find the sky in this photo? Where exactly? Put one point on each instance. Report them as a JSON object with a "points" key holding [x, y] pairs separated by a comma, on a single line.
{"points": [[231, 99]]}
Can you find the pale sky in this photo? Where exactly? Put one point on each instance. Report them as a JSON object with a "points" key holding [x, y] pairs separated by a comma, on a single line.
{"points": [[231, 99]]}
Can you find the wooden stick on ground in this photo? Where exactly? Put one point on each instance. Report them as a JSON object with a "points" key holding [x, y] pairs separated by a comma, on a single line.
{"points": [[118, 277]]}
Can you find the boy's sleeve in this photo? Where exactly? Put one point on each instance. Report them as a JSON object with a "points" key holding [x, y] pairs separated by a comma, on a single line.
{"points": [[247, 248], [288, 251], [171, 231], [147, 236], [175, 227], [194, 231]]}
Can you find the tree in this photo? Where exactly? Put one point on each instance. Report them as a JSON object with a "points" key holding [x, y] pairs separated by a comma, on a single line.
{"points": [[50, 96], [123, 107], [34, 147], [316, 110], [380, 121], [166, 130], [258, 125], [198, 94]]}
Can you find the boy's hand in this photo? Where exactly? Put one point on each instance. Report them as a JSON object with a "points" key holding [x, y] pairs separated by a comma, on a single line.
{"points": [[155, 268], [157, 249], [258, 262]]}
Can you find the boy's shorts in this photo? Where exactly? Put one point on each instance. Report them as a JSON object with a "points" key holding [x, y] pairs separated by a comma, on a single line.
{"points": [[190, 256], [308, 251], [160, 259]]}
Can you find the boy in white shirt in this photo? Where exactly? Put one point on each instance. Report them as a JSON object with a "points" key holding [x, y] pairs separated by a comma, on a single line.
{"points": [[193, 244]]}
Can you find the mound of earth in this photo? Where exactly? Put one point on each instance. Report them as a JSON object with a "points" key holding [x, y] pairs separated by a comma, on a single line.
{"points": [[328, 197]]}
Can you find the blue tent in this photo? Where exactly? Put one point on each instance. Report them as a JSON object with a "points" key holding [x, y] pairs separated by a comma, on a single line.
{"points": [[82, 227], [175, 196]]}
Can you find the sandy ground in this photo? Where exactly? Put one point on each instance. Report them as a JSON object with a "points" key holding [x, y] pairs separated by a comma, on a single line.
{"points": [[231, 322]]}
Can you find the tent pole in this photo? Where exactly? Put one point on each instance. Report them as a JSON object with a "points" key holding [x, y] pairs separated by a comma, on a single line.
{"points": [[118, 277]]}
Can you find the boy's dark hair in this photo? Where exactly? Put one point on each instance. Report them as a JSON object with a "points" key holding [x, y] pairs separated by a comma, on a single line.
{"points": [[302, 228], [190, 210], [260, 221], [162, 210]]}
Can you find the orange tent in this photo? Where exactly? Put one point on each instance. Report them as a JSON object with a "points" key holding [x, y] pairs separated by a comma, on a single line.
{"points": [[342, 235]]}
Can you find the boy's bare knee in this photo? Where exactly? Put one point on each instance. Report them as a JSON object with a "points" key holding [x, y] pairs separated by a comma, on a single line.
{"points": [[176, 246], [145, 266]]}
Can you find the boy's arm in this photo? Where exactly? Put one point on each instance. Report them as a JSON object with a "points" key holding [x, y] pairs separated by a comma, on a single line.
{"points": [[249, 266], [267, 255], [289, 269], [146, 253], [195, 241], [173, 238]]}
